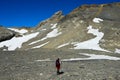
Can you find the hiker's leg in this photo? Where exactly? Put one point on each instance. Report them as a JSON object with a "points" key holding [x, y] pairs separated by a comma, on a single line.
{"points": [[58, 70]]}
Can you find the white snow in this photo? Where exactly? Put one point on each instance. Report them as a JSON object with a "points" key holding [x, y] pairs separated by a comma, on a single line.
{"points": [[54, 26], [34, 42], [41, 45], [16, 42], [43, 60], [92, 43], [90, 57], [63, 45], [93, 57], [21, 31], [38, 41], [53, 33], [117, 50], [97, 20]]}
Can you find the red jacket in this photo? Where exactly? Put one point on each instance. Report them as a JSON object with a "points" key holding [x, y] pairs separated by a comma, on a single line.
{"points": [[58, 64]]}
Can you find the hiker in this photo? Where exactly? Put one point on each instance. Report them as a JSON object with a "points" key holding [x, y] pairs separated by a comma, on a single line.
{"points": [[58, 65]]}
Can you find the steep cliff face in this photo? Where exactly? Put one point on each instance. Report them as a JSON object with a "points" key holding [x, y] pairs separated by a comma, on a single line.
{"points": [[94, 27]]}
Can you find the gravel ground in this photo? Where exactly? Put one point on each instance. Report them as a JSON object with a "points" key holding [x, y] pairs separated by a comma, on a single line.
{"points": [[23, 65]]}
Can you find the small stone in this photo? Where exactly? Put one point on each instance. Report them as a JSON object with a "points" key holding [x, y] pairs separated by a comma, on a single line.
{"points": [[41, 74]]}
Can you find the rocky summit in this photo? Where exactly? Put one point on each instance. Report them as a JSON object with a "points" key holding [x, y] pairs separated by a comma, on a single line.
{"points": [[87, 40]]}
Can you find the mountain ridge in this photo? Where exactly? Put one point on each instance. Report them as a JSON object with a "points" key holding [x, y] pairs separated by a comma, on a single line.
{"points": [[68, 30]]}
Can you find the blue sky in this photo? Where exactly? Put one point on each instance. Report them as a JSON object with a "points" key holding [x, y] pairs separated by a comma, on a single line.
{"points": [[31, 12]]}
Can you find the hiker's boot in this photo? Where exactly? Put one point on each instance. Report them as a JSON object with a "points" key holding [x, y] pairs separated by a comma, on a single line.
{"points": [[58, 72]]}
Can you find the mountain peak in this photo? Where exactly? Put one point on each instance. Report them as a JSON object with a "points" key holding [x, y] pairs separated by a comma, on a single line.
{"points": [[58, 13], [94, 25], [56, 17]]}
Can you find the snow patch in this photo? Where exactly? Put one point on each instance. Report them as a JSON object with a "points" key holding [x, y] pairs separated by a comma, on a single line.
{"points": [[97, 20], [43, 60], [90, 57], [54, 26], [21, 31], [16, 42], [93, 57], [41, 45], [34, 42], [63, 45], [117, 51], [92, 43], [53, 33]]}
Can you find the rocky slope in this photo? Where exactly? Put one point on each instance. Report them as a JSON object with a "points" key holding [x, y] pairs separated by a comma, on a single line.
{"points": [[85, 25], [40, 65]]}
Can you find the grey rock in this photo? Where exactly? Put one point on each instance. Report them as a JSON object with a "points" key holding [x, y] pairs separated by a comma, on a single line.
{"points": [[6, 34]]}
